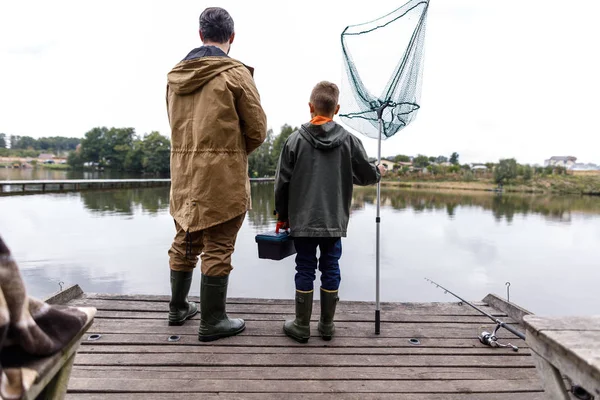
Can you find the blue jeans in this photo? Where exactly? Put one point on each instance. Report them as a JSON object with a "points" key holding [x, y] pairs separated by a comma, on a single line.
{"points": [[306, 262]]}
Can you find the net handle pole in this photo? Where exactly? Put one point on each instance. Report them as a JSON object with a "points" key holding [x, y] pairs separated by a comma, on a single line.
{"points": [[378, 226]]}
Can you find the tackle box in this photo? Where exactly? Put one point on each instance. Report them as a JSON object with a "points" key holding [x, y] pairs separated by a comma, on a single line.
{"points": [[275, 246]]}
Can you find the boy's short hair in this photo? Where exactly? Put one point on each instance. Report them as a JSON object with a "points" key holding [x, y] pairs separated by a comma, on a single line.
{"points": [[216, 25], [325, 96]]}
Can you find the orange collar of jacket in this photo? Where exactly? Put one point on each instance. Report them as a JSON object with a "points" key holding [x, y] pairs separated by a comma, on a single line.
{"points": [[320, 120]]}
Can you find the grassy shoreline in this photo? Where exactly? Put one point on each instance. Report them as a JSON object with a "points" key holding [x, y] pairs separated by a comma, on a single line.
{"points": [[559, 184]]}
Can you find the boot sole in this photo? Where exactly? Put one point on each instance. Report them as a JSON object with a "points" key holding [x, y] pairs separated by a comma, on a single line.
{"points": [[326, 337], [210, 338], [181, 322], [296, 338]]}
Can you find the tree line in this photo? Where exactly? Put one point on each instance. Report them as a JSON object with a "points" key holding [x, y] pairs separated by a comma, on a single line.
{"points": [[263, 161], [502, 172], [27, 146], [121, 149]]}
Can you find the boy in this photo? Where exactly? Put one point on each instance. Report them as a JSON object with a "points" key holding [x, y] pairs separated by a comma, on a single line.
{"points": [[318, 165]]}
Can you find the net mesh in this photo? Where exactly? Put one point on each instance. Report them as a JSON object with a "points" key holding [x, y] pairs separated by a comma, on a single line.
{"points": [[383, 61]]}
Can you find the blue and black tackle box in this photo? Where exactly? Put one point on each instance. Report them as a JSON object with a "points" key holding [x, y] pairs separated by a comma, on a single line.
{"points": [[275, 246]]}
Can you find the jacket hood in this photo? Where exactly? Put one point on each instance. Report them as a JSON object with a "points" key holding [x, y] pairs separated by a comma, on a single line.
{"points": [[326, 136], [198, 68]]}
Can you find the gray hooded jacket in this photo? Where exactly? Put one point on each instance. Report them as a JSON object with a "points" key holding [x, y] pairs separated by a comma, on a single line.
{"points": [[317, 168]]}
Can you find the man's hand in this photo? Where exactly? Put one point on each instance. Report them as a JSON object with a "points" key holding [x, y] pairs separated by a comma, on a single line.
{"points": [[282, 225], [382, 169]]}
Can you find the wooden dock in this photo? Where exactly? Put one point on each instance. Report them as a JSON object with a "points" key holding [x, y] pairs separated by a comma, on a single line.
{"points": [[135, 359], [44, 186]]}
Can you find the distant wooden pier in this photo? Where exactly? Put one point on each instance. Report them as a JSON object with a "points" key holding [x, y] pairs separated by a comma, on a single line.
{"points": [[138, 356], [43, 186]]}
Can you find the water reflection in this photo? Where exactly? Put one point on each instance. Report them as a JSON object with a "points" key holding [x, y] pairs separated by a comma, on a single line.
{"points": [[117, 240], [502, 206], [125, 201]]}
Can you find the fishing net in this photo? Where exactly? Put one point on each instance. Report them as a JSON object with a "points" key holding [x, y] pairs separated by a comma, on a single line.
{"points": [[383, 60]]}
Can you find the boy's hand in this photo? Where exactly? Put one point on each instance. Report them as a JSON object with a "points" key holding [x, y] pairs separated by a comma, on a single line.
{"points": [[282, 225], [382, 169]]}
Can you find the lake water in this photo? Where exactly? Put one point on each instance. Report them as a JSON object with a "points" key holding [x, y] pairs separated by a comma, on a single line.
{"points": [[117, 241]]}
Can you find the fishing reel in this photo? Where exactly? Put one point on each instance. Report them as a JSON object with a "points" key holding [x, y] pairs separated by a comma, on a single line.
{"points": [[490, 339]]}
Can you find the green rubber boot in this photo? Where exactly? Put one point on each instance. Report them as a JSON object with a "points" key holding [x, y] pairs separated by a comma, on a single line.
{"points": [[180, 309], [214, 323], [326, 326], [299, 328]]}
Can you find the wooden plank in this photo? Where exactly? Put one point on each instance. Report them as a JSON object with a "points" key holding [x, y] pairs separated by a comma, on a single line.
{"points": [[57, 388], [283, 341], [274, 328], [513, 310], [49, 368], [247, 300], [535, 323], [580, 365], [133, 359], [299, 386], [339, 316], [551, 379], [400, 351], [589, 342], [312, 396], [305, 373], [316, 360], [428, 309], [64, 296]]}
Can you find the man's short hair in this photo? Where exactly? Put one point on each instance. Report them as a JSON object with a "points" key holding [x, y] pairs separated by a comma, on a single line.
{"points": [[325, 96], [216, 25]]}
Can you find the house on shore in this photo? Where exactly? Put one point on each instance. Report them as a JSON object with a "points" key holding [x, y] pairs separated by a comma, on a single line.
{"points": [[478, 167], [561, 161], [390, 165]]}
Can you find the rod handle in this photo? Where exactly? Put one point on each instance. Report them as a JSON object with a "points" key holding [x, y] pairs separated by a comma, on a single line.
{"points": [[513, 330], [377, 322]]}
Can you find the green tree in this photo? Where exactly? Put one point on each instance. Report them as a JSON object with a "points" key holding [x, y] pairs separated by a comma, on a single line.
{"points": [[23, 143], [2, 140], [505, 170], [134, 161], [118, 142], [157, 153], [432, 159], [260, 162], [93, 145], [279, 141], [528, 172], [437, 170], [454, 158], [401, 158], [441, 159], [75, 160], [420, 161], [454, 169]]}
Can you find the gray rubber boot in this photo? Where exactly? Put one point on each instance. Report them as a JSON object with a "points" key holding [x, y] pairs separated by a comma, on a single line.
{"points": [[299, 328], [214, 323], [180, 309], [326, 326]]}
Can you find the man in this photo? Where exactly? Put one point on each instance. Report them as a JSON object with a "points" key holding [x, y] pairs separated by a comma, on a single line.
{"points": [[216, 121]]}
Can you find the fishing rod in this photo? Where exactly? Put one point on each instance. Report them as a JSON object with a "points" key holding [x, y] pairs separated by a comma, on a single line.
{"points": [[489, 339]]}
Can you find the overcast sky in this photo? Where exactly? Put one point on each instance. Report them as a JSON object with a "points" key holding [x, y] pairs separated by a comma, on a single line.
{"points": [[511, 78]]}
